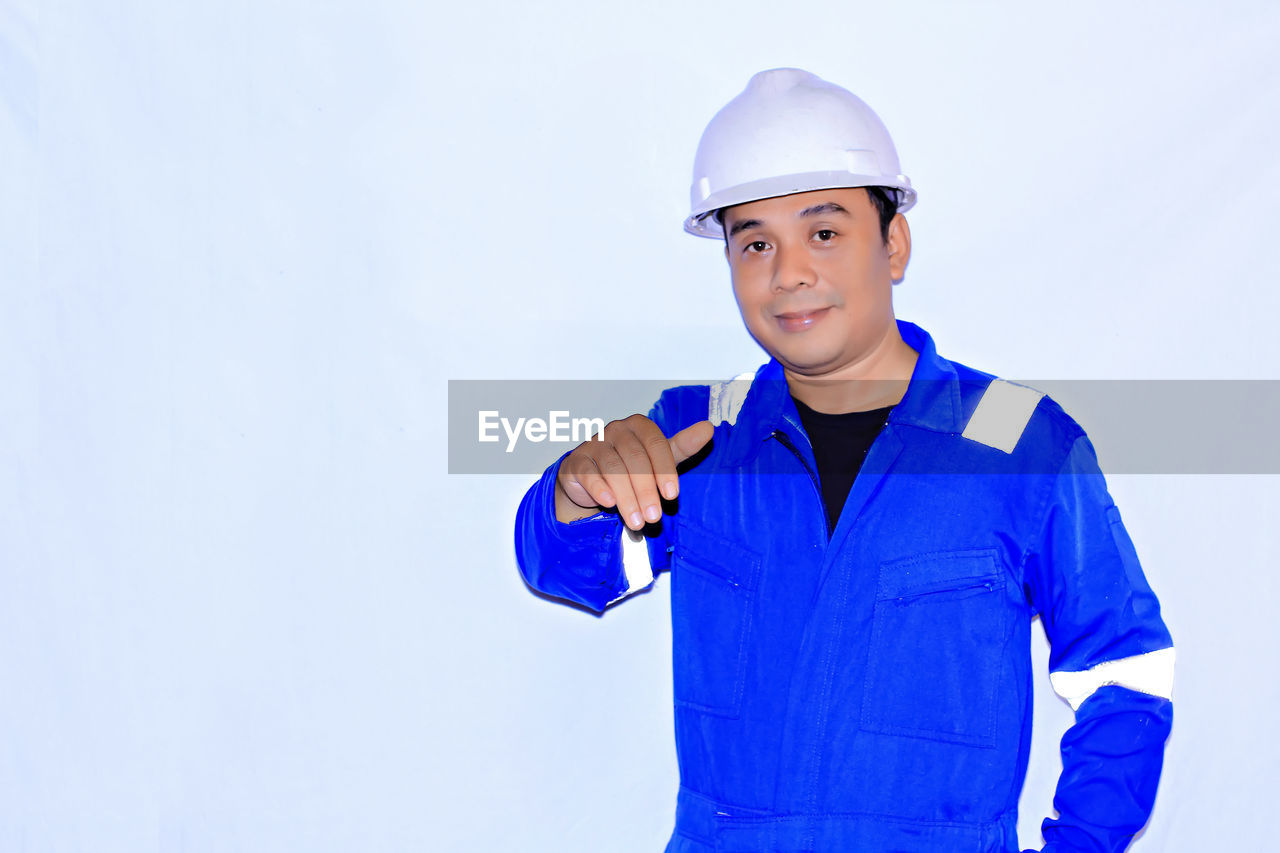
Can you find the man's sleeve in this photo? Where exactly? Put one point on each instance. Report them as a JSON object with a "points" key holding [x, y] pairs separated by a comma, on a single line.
{"points": [[597, 560], [1111, 659]]}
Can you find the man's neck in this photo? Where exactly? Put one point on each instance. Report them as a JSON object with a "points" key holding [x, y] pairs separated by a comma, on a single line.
{"points": [[877, 380]]}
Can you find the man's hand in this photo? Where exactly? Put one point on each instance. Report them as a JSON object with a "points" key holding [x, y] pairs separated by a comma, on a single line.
{"points": [[626, 468]]}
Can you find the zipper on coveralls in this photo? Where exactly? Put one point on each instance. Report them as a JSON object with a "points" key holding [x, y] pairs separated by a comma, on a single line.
{"points": [[813, 476]]}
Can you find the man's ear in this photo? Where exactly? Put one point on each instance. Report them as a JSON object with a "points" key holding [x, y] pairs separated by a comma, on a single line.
{"points": [[899, 247]]}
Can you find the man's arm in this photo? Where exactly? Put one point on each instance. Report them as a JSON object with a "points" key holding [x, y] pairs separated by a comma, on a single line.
{"points": [[1111, 659], [593, 558]]}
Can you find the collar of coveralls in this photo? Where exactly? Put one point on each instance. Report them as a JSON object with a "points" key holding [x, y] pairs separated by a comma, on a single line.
{"points": [[932, 399]]}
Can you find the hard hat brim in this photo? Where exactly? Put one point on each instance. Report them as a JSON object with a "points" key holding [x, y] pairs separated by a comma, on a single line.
{"points": [[702, 223]]}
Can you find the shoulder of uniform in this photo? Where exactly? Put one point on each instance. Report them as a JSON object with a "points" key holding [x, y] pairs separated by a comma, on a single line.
{"points": [[725, 398], [680, 406], [719, 402], [1058, 421], [1002, 413]]}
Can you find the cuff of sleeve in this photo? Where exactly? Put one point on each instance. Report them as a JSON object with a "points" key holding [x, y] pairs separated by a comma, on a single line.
{"points": [[587, 548], [587, 534]]}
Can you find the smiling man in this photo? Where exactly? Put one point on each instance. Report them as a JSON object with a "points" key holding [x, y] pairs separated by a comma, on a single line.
{"points": [[858, 536], [810, 273]]}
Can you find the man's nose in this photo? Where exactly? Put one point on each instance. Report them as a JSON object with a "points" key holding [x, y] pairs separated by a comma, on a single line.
{"points": [[794, 268]]}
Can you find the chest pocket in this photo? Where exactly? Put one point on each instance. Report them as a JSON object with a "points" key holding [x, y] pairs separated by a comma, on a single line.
{"points": [[713, 583], [938, 638]]}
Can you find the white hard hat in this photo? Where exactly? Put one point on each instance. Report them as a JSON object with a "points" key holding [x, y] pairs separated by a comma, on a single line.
{"points": [[789, 131]]}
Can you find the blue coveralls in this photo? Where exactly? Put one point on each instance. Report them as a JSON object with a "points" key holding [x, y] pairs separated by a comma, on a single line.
{"points": [[872, 692]]}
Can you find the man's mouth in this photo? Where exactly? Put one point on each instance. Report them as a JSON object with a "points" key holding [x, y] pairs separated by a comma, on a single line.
{"points": [[798, 321]]}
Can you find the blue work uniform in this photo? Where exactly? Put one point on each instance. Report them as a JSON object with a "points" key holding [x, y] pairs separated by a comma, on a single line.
{"points": [[871, 690]]}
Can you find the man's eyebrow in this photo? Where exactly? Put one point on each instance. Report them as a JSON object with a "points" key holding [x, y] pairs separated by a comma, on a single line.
{"points": [[825, 207]]}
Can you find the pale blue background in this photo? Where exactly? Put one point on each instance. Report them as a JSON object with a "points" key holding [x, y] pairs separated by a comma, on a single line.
{"points": [[244, 245]]}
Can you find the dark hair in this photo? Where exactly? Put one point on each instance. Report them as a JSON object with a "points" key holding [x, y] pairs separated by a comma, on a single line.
{"points": [[885, 200]]}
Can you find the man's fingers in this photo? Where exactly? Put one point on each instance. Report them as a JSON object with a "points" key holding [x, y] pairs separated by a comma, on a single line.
{"points": [[614, 463], [633, 469], [690, 440], [587, 488], [635, 452], [672, 451], [661, 463]]}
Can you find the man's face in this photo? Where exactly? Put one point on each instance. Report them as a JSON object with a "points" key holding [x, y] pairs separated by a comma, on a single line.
{"points": [[813, 277]]}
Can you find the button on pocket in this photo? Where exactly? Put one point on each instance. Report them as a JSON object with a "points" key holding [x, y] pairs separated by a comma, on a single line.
{"points": [[713, 582], [937, 642]]}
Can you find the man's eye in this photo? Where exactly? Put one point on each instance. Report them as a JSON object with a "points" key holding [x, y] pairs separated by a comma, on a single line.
{"points": [[828, 232], [751, 247]]}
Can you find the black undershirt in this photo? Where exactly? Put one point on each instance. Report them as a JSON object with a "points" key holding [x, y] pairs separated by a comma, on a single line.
{"points": [[840, 443]]}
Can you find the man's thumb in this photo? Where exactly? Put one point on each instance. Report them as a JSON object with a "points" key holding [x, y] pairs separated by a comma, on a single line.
{"points": [[690, 440]]}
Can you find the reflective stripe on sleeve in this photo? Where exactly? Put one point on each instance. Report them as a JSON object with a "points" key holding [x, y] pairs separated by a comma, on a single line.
{"points": [[1151, 673], [635, 562], [1002, 415]]}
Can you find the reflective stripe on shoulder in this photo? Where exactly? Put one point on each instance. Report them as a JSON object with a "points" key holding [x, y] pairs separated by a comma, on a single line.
{"points": [[1151, 673], [727, 398], [1002, 414], [635, 562]]}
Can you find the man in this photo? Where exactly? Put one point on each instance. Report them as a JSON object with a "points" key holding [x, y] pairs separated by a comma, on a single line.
{"points": [[859, 536]]}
